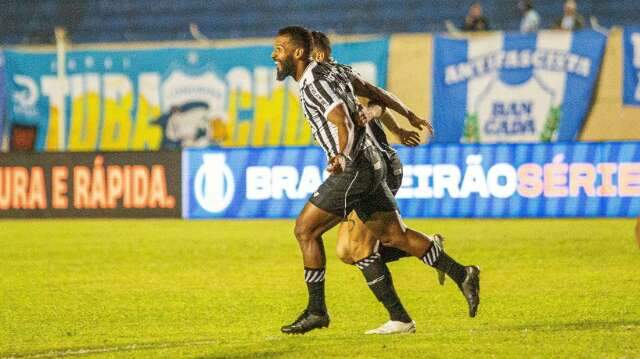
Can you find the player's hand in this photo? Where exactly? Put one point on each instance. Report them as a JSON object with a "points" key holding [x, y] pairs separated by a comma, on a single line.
{"points": [[418, 123], [337, 164], [409, 138]]}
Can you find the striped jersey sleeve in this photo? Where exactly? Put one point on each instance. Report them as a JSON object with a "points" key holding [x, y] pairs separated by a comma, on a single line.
{"points": [[324, 87], [322, 96]]}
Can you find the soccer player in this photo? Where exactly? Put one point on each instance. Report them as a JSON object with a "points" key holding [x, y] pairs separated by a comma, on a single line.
{"points": [[356, 245], [356, 181]]}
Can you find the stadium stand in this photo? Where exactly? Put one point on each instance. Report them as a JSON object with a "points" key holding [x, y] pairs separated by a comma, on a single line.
{"points": [[32, 21]]}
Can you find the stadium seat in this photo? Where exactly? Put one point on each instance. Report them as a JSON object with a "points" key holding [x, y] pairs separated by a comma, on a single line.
{"points": [[120, 20]]}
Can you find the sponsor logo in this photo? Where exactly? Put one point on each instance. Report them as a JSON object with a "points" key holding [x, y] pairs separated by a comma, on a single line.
{"points": [[214, 184], [191, 105], [26, 96]]}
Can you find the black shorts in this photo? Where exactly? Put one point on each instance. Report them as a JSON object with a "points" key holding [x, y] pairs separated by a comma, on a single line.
{"points": [[394, 171], [361, 187]]}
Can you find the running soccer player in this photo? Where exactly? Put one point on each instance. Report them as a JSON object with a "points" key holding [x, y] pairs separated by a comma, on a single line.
{"points": [[356, 245], [356, 181], [379, 99]]}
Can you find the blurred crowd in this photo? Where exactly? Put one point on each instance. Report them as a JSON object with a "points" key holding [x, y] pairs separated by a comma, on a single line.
{"points": [[569, 20]]}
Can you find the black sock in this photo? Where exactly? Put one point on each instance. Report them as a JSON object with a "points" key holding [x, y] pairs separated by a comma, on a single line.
{"points": [[379, 280], [390, 254], [315, 285], [437, 258]]}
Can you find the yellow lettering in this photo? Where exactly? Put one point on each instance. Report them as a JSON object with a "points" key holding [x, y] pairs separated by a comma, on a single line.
{"points": [[146, 135], [298, 131], [238, 128], [267, 123], [117, 119], [52, 131], [116, 128], [85, 116]]}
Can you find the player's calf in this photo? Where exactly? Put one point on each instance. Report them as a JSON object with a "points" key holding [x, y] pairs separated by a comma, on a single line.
{"points": [[380, 282], [343, 245]]}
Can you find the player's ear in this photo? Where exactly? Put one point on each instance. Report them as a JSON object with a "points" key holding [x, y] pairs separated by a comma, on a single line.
{"points": [[298, 53]]}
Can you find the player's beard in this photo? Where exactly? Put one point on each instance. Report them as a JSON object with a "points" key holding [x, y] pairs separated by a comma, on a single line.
{"points": [[287, 69]]}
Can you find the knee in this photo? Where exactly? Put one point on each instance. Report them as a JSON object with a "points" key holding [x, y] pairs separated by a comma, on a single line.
{"points": [[344, 254], [303, 232]]}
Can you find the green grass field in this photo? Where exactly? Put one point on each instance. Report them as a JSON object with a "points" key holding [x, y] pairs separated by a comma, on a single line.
{"points": [[214, 289]]}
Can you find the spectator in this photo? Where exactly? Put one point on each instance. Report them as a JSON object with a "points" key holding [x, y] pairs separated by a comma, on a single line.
{"points": [[475, 21], [530, 18], [571, 20]]}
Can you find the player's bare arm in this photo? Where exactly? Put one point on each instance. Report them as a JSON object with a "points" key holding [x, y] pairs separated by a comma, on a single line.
{"points": [[366, 89], [338, 116], [406, 137], [322, 52]]}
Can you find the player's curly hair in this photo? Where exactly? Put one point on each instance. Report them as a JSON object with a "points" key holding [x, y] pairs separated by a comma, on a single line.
{"points": [[300, 35]]}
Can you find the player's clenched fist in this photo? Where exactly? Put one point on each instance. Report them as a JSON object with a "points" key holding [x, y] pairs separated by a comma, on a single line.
{"points": [[337, 164]]}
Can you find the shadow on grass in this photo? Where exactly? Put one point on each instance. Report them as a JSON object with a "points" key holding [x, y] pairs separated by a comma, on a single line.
{"points": [[578, 325]]}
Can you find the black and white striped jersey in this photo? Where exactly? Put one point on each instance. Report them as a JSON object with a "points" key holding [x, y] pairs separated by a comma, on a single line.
{"points": [[322, 88], [375, 129]]}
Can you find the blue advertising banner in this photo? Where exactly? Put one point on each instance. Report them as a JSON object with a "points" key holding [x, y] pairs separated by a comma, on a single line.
{"points": [[250, 183], [441, 180], [166, 98], [508, 87], [631, 76]]}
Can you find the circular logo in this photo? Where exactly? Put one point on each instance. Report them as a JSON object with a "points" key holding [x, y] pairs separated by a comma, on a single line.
{"points": [[214, 184]]}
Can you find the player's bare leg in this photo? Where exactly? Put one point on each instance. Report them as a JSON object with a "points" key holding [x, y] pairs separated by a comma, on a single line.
{"points": [[310, 225], [357, 245], [389, 227], [356, 242]]}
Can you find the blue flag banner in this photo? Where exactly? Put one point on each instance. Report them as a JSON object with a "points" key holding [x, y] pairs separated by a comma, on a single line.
{"points": [[167, 98], [440, 180], [631, 81], [512, 87]]}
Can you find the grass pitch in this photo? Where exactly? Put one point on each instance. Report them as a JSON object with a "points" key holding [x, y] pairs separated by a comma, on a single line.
{"points": [[214, 289]]}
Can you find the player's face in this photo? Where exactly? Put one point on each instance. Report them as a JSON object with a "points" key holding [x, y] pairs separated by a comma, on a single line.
{"points": [[282, 55]]}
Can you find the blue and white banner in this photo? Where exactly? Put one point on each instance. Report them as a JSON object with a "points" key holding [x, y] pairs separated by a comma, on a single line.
{"points": [[440, 180], [167, 98], [511, 87], [250, 183], [631, 81]]}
